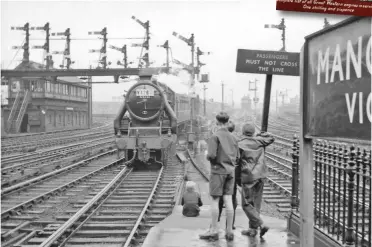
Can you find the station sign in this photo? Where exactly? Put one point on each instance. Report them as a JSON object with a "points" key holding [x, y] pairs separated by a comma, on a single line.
{"points": [[268, 62], [69, 109], [337, 81]]}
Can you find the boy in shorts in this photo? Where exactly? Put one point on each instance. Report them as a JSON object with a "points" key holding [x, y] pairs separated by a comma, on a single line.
{"points": [[223, 152]]}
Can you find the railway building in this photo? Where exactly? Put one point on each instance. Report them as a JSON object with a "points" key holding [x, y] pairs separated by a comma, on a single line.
{"points": [[45, 104], [246, 103]]}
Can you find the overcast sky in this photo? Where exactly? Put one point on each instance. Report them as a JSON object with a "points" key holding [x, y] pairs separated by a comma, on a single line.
{"points": [[220, 27]]}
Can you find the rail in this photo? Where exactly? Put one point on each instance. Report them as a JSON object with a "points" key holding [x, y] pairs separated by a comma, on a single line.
{"points": [[29, 163], [179, 189], [73, 220], [348, 172], [8, 137], [134, 232], [9, 211], [43, 177], [197, 167]]}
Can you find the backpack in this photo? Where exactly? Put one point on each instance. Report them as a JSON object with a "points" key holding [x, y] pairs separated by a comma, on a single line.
{"points": [[247, 171]]}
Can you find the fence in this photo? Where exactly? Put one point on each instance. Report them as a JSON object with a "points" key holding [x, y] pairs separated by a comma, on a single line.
{"points": [[342, 191]]}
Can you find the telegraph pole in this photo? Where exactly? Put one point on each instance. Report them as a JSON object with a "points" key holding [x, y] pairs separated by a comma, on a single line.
{"points": [[222, 103], [66, 53], [48, 59], [147, 59], [166, 47], [282, 27], [26, 46], [124, 51], [68, 48], [102, 51], [232, 97], [146, 44], [255, 100], [205, 102], [190, 42], [276, 102]]}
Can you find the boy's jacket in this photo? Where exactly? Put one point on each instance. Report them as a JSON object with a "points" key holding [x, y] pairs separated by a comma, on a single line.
{"points": [[252, 157]]}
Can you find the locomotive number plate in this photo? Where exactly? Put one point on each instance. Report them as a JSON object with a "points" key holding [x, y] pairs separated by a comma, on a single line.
{"points": [[145, 93]]}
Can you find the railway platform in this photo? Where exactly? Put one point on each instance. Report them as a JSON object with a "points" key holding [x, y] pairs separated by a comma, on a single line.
{"points": [[179, 231]]}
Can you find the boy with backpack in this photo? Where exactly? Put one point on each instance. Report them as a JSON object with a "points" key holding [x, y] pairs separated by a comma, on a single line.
{"points": [[252, 175]]}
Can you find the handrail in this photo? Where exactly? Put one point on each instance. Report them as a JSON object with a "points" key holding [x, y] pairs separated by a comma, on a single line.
{"points": [[134, 230], [12, 112], [22, 110], [57, 234]]}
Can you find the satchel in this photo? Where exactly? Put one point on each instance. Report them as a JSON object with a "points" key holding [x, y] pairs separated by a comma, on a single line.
{"points": [[247, 171]]}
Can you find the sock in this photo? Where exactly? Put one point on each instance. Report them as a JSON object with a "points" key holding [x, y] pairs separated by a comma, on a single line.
{"points": [[229, 220]]}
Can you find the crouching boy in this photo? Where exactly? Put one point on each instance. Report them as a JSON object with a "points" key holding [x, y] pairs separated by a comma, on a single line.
{"points": [[191, 201]]}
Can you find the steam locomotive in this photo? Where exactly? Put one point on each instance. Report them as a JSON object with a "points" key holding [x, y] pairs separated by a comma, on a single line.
{"points": [[153, 116]]}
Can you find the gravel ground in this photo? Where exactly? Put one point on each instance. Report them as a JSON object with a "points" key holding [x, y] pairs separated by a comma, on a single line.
{"points": [[269, 209]]}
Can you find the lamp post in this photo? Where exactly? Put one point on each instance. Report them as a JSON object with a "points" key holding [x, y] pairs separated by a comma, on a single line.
{"points": [[255, 99]]}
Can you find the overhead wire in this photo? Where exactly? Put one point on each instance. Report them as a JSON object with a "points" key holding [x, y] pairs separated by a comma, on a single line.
{"points": [[16, 53]]}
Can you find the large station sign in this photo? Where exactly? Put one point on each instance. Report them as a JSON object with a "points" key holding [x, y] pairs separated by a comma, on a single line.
{"points": [[337, 81], [268, 62]]}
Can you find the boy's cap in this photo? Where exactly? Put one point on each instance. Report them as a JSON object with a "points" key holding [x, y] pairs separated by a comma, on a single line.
{"points": [[222, 117], [248, 129]]}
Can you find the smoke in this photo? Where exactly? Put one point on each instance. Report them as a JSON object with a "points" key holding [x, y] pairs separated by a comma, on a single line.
{"points": [[178, 80]]}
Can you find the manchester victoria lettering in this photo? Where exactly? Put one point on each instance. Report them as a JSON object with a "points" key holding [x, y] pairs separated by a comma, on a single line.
{"points": [[352, 57], [353, 60], [351, 106]]}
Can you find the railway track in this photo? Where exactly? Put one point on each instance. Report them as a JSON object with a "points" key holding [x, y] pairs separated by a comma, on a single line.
{"points": [[119, 209], [26, 137], [97, 124], [28, 208], [51, 153], [26, 170], [39, 144], [19, 147]]}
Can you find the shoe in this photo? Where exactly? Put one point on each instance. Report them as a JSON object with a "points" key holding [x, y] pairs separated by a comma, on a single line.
{"points": [[264, 230], [229, 236], [210, 235], [250, 232], [233, 227]]}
